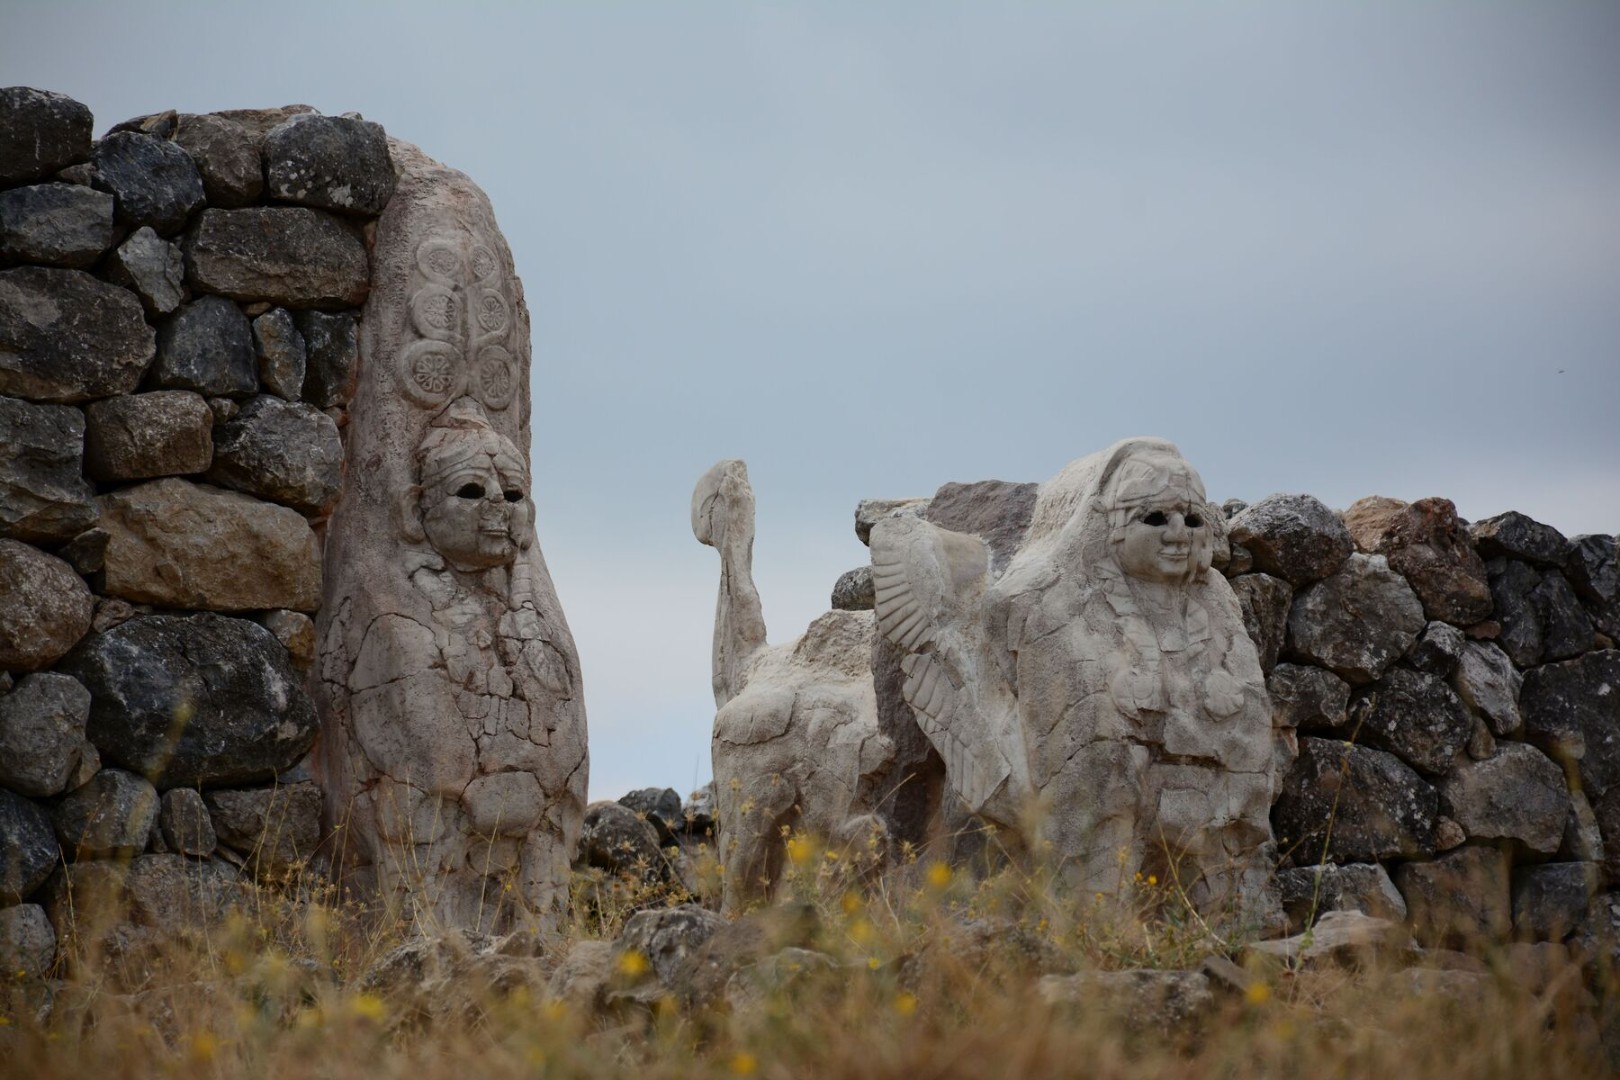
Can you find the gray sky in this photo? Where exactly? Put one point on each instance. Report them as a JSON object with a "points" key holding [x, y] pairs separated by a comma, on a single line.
{"points": [[1348, 249]]}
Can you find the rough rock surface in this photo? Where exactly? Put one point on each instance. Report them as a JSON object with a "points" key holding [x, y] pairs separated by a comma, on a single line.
{"points": [[1594, 571], [143, 436], [111, 815], [1518, 794], [1379, 807], [55, 224], [40, 133], [1293, 537], [182, 545], [206, 346], [280, 450], [333, 345], [1551, 901], [1414, 716], [1265, 601], [664, 803], [1144, 1000], [330, 162], [184, 822], [43, 497], [277, 828], [853, 590], [29, 845], [1308, 892], [45, 608], [295, 631], [153, 268], [67, 337], [1566, 629], [869, 512], [1460, 900], [1485, 680], [27, 942], [616, 839], [1357, 622], [1308, 698], [154, 181], [226, 156], [1513, 585], [1341, 938], [1428, 545], [281, 352], [246, 716], [668, 938], [1572, 710], [42, 733], [1515, 536], [286, 255], [1438, 649], [169, 893], [996, 511]]}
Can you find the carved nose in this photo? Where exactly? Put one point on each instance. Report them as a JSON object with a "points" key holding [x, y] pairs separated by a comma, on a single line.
{"points": [[1177, 530]]}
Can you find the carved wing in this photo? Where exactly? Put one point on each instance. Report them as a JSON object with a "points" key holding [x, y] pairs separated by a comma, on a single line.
{"points": [[930, 585]]}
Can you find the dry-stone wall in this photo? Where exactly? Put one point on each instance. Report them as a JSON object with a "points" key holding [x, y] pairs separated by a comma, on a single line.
{"points": [[178, 332]]}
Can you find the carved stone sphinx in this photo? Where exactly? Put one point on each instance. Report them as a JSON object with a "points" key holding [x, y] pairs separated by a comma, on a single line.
{"points": [[1101, 697], [796, 738], [453, 748]]}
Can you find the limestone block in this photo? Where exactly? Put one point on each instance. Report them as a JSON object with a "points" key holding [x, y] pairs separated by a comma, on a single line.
{"points": [[43, 497], [42, 733], [1379, 808], [111, 815], [155, 181], [66, 337], [284, 451], [276, 828], [330, 162], [1308, 892], [40, 132], [853, 590], [1460, 900], [996, 511], [176, 544], [1513, 585], [668, 938], [662, 803], [1356, 622], [1566, 629], [296, 632], [243, 715], [1143, 1000], [1417, 717], [1264, 601], [1427, 544], [144, 436], [282, 354], [1485, 680], [206, 346], [333, 344], [28, 848], [1572, 710], [870, 511], [152, 268], [226, 155], [55, 224], [45, 608], [1308, 698], [286, 255], [1551, 901], [1516, 794], [616, 839], [27, 942], [1515, 536], [1594, 571], [184, 822], [1293, 537]]}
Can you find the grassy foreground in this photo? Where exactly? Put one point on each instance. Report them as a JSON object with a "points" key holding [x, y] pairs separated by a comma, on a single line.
{"points": [[932, 974]]}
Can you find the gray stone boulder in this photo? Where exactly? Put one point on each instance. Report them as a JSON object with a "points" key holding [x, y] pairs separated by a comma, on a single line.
{"points": [[1551, 901], [155, 181], [27, 942], [281, 353], [1414, 716], [286, 255], [42, 733], [144, 436], [1265, 601], [333, 344], [43, 497], [206, 346], [1430, 547], [226, 155], [45, 608], [1346, 939], [176, 544], [1143, 1000], [996, 511], [40, 133], [1308, 892], [1566, 629], [1461, 900], [1594, 571], [1293, 537], [169, 893], [152, 268], [276, 828], [1572, 710], [329, 162], [28, 848], [669, 938], [66, 337], [1487, 683], [1438, 650], [1517, 794], [112, 815], [1357, 622], [185, 824], [616, 839], [242, 712], [1310, 699], [1515, 536], [1376, 806], [665, 803], [285, 451], [869, 512], [854, 590], [55, 224], [1512, 586]]}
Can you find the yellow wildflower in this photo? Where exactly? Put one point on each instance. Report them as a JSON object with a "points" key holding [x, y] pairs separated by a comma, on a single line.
{"points": [[632, 963], [369, 1007], [204, 1045], [905, 1003], [939, 875], [1258, 993], [799, 850], [744, 1064]]}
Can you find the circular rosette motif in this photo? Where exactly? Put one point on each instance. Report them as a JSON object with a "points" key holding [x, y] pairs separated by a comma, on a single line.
{"points": [[486, 268], [496, 377], [431, 372], [436, 314], [491, 314], [439, 259]]}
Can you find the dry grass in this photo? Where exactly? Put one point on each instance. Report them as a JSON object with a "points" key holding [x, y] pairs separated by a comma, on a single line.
{"points": [[935, 975]]}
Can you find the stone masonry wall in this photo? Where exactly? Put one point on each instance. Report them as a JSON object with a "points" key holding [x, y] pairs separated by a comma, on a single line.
{"points": [[179, 307]]}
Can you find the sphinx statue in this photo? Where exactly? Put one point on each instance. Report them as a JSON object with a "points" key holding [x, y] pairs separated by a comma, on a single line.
{"points": [[1100, 698], [796, 731], [453, 751]]}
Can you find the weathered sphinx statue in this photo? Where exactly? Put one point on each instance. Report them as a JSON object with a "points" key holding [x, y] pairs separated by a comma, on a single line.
{"points": [[1101, 697], [796, 731], [453, 742]]}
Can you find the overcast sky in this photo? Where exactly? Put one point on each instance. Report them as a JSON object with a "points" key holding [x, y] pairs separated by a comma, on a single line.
{"points": [[1346, 249]]}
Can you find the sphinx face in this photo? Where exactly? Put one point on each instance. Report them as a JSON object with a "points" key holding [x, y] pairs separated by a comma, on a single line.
{"points": [[1166, 536], [476, 510]]}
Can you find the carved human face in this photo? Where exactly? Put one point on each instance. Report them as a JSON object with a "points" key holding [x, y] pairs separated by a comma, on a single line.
{"points": [[475, 509], [1165, 536]]}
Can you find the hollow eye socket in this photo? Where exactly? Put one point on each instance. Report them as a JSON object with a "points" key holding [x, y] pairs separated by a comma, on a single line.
{"points": [[470, 491], [1155, 519], [1195, 521], [513, 495]]}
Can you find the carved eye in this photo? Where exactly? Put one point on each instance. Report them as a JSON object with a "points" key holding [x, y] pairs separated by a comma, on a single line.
{"points": [[513, 495], [1155, 519], [1194, 521], [471, 491]]}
